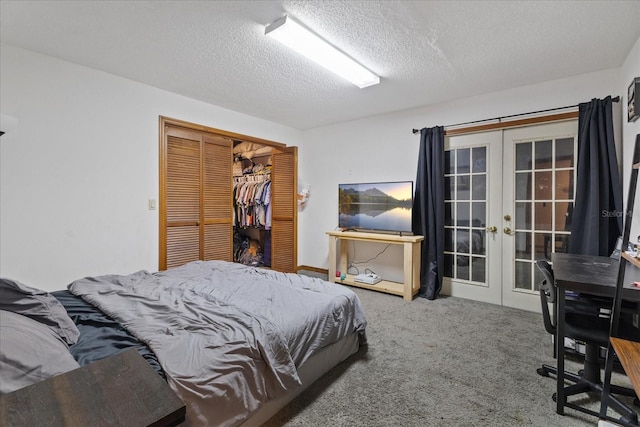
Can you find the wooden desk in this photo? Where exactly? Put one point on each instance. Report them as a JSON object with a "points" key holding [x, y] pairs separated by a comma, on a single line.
{"points": [[591, 275], [411, 264], [122, 390]]}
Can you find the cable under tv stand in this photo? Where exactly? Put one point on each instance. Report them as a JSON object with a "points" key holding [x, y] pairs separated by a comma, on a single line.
{"points": [[411, 261]]}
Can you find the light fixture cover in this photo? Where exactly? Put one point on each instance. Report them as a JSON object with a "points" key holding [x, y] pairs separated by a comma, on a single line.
{"points": [[295, 36]]}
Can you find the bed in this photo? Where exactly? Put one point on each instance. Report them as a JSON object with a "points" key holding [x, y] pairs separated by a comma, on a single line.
{"points": [[235, 343]]}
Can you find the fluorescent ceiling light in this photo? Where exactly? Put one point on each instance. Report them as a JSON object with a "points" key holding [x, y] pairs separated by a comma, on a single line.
{"points": [[291, 34]]}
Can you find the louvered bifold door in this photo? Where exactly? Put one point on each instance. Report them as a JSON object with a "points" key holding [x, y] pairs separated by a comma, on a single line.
{"points": [[181, 202], [217, 198], [284, 228]]}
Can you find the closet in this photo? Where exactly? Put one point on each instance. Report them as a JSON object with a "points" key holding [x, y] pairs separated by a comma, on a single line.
{"points": [[226, 196]]}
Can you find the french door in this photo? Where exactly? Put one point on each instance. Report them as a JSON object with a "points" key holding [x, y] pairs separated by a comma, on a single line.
{"points": [[473, 246], [508, 202]]}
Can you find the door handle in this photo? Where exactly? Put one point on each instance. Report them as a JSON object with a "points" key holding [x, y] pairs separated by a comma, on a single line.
{"points": [[492, 229], [509, 231]]}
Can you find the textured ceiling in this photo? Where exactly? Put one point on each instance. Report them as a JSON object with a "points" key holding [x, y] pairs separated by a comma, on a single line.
{"points": [[425, 51]]}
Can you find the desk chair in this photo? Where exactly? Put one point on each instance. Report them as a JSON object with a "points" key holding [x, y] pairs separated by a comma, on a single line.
{"points": [[583, 324]]}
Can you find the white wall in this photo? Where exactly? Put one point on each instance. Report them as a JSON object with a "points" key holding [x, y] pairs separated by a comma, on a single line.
{"points": [[78, 171], [383, 148], [629, 70]]}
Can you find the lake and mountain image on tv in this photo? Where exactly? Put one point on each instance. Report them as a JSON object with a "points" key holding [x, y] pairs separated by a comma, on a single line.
{"points": [[383, 206]]}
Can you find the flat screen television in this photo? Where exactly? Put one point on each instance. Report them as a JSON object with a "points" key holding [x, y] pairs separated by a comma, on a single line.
{"points": [[376, 206]]}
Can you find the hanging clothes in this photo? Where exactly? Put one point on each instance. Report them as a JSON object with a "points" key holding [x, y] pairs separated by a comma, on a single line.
{"points": [[252, 196]]}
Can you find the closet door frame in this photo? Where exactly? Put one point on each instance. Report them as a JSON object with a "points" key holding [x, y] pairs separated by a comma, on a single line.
{"points": [[165, 122]]}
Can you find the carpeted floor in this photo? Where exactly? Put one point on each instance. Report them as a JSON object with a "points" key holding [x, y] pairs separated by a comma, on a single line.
{"points": [[448, 362]]}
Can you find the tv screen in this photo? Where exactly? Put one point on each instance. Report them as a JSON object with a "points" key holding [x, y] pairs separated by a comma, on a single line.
{"points": [[376, 206]]}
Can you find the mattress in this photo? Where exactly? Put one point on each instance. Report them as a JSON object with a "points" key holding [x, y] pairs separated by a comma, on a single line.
{"points": [[235, 343]]}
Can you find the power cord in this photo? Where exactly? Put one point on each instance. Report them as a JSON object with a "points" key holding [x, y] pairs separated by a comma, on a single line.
{"points": [[352, 264]]}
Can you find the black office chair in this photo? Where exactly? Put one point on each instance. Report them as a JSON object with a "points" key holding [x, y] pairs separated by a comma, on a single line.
{"points": [[582, 323]]}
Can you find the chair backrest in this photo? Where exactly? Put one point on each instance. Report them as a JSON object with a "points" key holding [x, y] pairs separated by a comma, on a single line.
{"points": [[548, 293]]}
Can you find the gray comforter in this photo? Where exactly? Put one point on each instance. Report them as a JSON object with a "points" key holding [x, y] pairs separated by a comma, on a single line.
{"points": [[229, 337]]}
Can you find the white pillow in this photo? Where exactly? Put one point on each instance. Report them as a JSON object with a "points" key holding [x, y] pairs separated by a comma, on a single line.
{"points": [[30, 352], [40, 306]]}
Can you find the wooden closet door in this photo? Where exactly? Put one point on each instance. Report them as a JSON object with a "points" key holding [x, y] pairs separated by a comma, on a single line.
{"points": [[196, 191], [217, 198], [180, 198], [284, 210]]}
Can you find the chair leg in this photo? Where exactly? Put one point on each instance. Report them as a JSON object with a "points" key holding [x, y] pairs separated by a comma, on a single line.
{"points": [[624, 391], [589, 382], [628, 414], [545, 370], [579, 387]]}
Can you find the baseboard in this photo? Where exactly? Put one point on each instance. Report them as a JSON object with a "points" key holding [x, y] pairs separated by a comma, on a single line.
{"points": [[314, 269]]}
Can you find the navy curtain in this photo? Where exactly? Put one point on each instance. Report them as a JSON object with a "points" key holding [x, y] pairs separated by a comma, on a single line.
{"points": [[597, 214], [428, 210]]}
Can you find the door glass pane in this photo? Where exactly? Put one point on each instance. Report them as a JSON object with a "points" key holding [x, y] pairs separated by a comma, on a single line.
{"points": [[562, 243], [465, 221], [523, 185], [463, 160], [542, 215], [448, 188], [564, 185], [448, 265], [564, 153], [523, 156], [479, 155], [479, 214], [462, 241], [564, 211], [449, 162], [478, 269], [463, 187], [448, 213], [477, 239], [549, 215], [543, 154], [523, 216], [462, 212], [543, 246], [448, 239], [462, 270], [523, 275], [543, 186], [479, 188], [523, 245]]}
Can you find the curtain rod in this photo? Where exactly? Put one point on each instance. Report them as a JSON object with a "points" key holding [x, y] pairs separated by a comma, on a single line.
{"points": [[616, 99]]}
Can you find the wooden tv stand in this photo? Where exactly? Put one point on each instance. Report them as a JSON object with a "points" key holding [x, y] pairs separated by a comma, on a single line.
{"points": [[411, 264]]}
